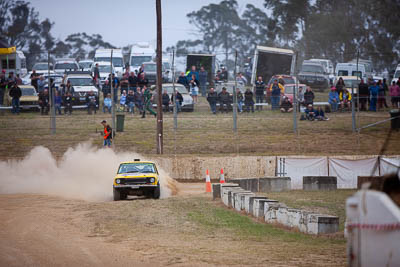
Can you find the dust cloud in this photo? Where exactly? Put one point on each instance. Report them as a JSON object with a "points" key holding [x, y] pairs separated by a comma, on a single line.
{"points": [[84, 172]]}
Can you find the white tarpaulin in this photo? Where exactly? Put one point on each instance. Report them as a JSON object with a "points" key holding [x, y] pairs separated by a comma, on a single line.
{"points": [[347, 171], [389, 165], [296, 168]]}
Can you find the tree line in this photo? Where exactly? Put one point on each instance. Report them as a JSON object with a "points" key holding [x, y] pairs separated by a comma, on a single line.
{"points": [[333, 29], [20, 26]]}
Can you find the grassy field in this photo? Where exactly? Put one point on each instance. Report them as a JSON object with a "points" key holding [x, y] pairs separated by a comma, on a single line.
{"points": [[206, 231], [199, 132], [324, 202]]}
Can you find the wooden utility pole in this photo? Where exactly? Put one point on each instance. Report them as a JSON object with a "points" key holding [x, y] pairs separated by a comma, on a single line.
{"points": [[159, 81]]}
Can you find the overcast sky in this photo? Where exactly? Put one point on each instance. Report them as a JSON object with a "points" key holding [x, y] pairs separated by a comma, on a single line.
{"points": [[123, 22]]}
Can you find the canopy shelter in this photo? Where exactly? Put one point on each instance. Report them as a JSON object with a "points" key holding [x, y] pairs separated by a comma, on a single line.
{"points": [[6, 49]]}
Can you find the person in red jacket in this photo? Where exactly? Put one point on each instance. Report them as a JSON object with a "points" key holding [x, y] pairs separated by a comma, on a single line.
{"points": [[107, 133]]}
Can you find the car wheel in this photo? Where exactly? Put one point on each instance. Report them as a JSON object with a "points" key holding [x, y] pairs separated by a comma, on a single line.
{"points": [[116, 195], [157, 192]]}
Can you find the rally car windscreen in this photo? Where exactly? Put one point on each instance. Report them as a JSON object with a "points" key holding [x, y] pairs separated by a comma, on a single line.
{"points": [[136, 168]]}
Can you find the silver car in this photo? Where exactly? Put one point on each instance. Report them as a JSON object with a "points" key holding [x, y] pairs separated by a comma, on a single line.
{"points": [[187, 104]]}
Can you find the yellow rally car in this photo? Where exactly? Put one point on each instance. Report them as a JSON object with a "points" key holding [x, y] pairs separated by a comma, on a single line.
{"points": [[136, 178]]}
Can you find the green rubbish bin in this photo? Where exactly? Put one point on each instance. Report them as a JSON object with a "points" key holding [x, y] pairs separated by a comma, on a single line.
{"points": [[395, 122], [120, 122]]}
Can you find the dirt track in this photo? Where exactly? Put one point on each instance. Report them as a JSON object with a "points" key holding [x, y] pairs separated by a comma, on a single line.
{"points": [[38, 230]]}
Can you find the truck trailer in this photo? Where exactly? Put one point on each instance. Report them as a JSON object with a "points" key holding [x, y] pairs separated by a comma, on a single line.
{"points": [[269, 61]]}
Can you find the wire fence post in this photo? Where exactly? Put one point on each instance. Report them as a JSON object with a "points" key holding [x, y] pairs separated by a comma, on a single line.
{"points": [[51, 94], [174, 94], [235, 98], [353, 112], [112, 97], [295, 98]]}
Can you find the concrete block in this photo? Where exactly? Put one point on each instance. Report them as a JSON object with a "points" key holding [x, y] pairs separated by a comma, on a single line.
{"points": [[227, 185], [258, 206], [249, 201], [250, 184], [274, 184], [225, 196], [235, 200], [294, 217], [312, 183], [376, 182], [270, 212], [322, 224], [239, 200], [216, 191], [282, 216], [231, 200]]}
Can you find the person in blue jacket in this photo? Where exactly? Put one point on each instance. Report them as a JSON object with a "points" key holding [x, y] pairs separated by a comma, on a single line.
{"points": [[334, 99], [373, 92], [193, 71]]}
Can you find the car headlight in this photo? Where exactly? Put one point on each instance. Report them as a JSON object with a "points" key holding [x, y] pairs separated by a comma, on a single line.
{"points": [[152, 180], [118, 181]]}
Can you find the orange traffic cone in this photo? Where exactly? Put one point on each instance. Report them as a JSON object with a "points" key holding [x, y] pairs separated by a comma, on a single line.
{"points": [[208, 182], [222, 177]]}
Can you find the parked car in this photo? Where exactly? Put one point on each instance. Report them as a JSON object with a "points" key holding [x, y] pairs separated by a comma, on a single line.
{"points": [[63, 65], [82, 83], [314, 75], [104, 70], [29, 98], [187, 104], [85, 65], [42, 67], [350, 81], [290, 88], [282, 79], [150, 69]]}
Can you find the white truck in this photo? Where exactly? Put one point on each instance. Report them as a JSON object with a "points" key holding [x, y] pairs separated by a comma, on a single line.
{"points": [[140, 52], [351, 69], [14, 62], [104, 55], [269, 61]]}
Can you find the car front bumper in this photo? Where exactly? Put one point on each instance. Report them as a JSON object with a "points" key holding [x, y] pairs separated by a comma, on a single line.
{"points": [[134, 186]]}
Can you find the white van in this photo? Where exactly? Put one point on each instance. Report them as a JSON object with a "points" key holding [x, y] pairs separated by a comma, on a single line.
{"points": [[14, 62], [351, 69], [140, 52], [104, 55]]}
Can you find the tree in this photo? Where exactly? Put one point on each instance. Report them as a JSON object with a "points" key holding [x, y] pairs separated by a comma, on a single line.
{"points": [[222, 27]]}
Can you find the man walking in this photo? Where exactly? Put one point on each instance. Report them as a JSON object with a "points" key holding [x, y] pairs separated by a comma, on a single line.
{"points": [[147, 95], [260, 89], [15, 93], [107, 134]]}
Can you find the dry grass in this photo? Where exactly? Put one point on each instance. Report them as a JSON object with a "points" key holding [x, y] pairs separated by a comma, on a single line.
{"points": [[263, 133], [325, 202]]}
